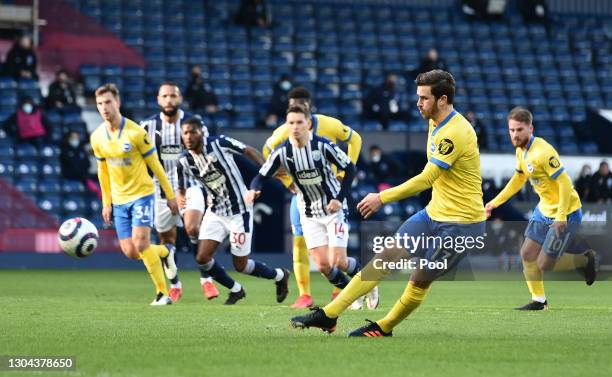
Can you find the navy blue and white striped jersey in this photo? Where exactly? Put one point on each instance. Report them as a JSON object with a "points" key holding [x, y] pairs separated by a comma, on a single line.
{"points": [[311, 170], [169, 145], [216, 169]]}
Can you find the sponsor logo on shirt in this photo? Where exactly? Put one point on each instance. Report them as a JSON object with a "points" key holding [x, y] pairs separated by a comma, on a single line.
{"points": [[170, 152], [214, 180], [309, 177], [119, 161]]}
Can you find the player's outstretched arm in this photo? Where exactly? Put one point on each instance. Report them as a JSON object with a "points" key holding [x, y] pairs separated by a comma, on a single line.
{"points": [[354, 146], [372, 202], [268, 169], [278, 137], [512, 187], [254, 155], [413, 186]]}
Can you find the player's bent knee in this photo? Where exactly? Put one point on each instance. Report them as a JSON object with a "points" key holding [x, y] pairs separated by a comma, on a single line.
{"points": [[546, 262], [530, 250], [203, 258], [324, 267], [192, 230], [240, 265], [141, 245], [131, 252]]}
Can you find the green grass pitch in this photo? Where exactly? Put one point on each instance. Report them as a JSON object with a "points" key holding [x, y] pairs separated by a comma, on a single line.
{"points": [[463, 329]]}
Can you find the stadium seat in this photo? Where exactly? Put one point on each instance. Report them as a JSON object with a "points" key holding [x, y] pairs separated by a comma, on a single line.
{"points": [[70, 186], [27, 185], [26, 151]]}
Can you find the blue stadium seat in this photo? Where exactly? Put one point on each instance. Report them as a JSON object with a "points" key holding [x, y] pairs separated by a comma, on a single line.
{"points": [[49, 186], [26, 151], [133, 71], [6, 167], [25, 168], [50, 168], [69, 186], [50, 203], [91, 83], [27, 84], [27, 185], [74, 206], [7, 83]]}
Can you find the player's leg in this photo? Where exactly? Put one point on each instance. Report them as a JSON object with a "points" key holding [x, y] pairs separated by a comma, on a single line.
{"points": [[338, 234], [241, 237], [366, 279], [165, 224], [133, 223], [212, 232], [325, 318], [192, 218], [535, 235], [315, 234], [424, 275], [580, 257], [141, 238], [567, 251], [301, 261]]}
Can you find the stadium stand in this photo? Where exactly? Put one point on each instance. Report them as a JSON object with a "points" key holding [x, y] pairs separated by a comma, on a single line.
{"points": [[340, 52]]}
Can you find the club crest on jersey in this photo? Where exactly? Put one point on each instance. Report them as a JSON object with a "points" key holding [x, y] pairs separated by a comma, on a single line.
{"points": [[446, 147], [530, 168], [316, 155], [126, 147], [554, 162], [432, 147], [211, 157]]}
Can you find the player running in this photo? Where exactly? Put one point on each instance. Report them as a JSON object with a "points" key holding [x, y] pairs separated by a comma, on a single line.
{"points": [[124, 151], [335, 131], [211, 161], [455, 210], [308, 159], [556, 218], [164, 129]]}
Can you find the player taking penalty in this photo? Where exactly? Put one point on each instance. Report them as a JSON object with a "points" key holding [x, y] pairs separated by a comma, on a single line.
{"points": [[124, 151], [556, 218], [455, 210]]}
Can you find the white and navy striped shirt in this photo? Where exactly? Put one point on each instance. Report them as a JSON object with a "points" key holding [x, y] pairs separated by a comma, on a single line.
{"points": [[216, 169], [169, 145], [311, 170]]}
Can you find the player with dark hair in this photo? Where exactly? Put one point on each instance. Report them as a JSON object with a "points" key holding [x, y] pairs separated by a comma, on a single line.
{"points": [[455, 210], [211, 161], [124, 151], [334, 130], [164, 129], [308, 159]]}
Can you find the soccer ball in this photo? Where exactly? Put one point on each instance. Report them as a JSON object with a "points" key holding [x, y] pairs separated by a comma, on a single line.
{"points": [[78, 237]]}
